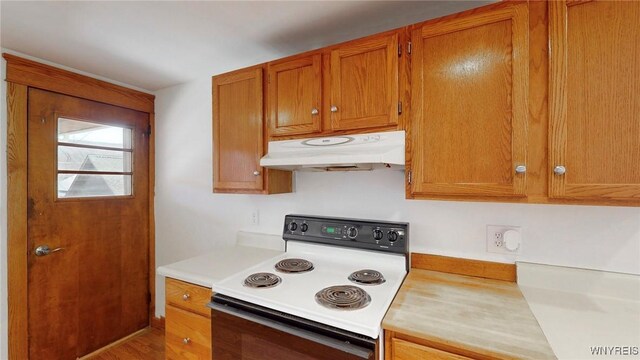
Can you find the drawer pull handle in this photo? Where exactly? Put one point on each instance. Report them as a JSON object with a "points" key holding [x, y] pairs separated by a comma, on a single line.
{"points": [[559, 170], [186, 297], [186, 341]]}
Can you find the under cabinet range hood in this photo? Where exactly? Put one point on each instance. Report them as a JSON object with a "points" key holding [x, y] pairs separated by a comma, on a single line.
{"points": [[338, 153]]}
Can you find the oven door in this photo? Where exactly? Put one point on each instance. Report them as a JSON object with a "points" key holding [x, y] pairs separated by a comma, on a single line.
{"points": [[243, 331]]}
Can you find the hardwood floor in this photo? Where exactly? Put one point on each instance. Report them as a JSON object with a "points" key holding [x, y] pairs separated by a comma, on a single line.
{"points": [[146, 345]]}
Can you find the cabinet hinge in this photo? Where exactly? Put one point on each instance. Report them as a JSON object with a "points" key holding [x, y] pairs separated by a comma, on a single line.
{"points": [[399, 107], [409, 48], [409, 177], [148, 132], [269, 79], [399, 50]]}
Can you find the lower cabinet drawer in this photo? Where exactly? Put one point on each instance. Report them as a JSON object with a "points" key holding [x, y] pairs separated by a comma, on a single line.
{"points": [[405, 350], [187, 335], [188, 296]]}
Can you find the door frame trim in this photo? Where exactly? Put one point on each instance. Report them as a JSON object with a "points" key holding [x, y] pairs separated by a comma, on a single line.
{"points": [[23, 74]]}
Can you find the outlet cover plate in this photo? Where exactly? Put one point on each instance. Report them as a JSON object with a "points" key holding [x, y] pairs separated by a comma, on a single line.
{"points": [[494, 239], [254, 218]]}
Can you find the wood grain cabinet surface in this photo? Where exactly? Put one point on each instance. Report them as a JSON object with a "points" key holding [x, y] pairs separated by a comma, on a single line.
{"points": [[515, 101], [594, 100], [405, 350], [295, 96], [187, 321], [238, 136], [364, 83], [469, 103]]}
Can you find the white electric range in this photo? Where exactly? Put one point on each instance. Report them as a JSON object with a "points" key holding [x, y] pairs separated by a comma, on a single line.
{"points": [[324, 298]]}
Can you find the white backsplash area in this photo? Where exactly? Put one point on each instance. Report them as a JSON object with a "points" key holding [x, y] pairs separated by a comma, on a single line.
{"points": [[190, 219]]}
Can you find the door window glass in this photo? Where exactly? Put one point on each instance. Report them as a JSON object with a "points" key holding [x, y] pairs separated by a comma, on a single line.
{"points": [[93, 159]]}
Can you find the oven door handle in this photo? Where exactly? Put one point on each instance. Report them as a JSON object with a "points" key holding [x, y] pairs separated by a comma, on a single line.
{"points": [[343, 346]]}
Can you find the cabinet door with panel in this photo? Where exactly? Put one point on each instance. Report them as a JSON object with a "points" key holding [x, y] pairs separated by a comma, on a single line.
{"points": [[469, 103], [594, 100], [364, 83], [237, 131], [295, 94]]}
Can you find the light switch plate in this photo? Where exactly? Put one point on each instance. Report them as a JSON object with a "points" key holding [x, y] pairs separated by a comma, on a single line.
{"points": [[495, 239]]}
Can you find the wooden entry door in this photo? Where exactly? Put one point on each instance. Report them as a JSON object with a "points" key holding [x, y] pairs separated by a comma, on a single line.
{"points": [[88, 203]]}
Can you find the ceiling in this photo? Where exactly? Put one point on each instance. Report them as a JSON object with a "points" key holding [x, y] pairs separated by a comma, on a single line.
{"points": [[153, 45]]}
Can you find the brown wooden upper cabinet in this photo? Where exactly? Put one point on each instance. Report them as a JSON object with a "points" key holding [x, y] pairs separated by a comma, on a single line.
{"points": [[238, 141], [469, 104], [295, 96], [364, 83], [594, 100]]}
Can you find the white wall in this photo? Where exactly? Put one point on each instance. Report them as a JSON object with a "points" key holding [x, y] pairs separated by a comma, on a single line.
{"points": [[190, 219]]}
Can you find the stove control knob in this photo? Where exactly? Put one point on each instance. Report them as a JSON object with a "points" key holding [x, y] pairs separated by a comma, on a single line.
{"points": [[352, 233], [304, 227], [378, 234], [292, 226], [393, 235]]}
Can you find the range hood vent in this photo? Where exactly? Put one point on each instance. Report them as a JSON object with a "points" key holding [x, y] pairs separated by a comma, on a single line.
{"points": [[384, 150]]}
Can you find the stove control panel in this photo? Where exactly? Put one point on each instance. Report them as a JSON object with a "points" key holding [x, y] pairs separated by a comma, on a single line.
{"points": [[356, 233]]}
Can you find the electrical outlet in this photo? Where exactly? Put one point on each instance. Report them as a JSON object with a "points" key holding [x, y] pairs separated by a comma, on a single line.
{"points": [[255, 217], [496, 242]]}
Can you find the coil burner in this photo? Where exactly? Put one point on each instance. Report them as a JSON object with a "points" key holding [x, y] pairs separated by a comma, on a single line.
{"points": [[344, 297], [262, 280], [367, 277], [294, 266]]}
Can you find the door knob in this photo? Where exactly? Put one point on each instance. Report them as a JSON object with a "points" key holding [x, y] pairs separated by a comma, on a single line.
{"points": [[521, 169], [334, 108], [314, 111], [43, 250], [256, 173]]}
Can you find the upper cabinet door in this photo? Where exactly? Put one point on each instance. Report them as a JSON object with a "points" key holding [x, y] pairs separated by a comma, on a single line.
{"points": [[469, 103], [237, 131], [295, 90], [364, 84], [594, 100]]}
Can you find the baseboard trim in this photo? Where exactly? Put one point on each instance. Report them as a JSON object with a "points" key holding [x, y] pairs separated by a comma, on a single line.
{"points": [[157, 323], [115, 343]]}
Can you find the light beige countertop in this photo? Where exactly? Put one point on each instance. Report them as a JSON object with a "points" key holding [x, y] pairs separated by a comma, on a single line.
{"points": [[206, 269], [490, 318], [584, 313]]}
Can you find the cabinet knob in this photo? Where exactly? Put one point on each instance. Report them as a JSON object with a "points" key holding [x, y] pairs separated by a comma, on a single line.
{"points": [[186, 297], [256, 173], [186, 341], [334, 108], [521, 169], [314, 111], [559, 170]]}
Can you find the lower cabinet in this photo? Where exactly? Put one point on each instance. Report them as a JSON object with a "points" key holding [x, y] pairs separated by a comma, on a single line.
{"points": [[187, 321], [404, 349]]}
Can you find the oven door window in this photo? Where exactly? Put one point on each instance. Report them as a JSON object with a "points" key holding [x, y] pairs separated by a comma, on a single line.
{"points": [[246, 336]]}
